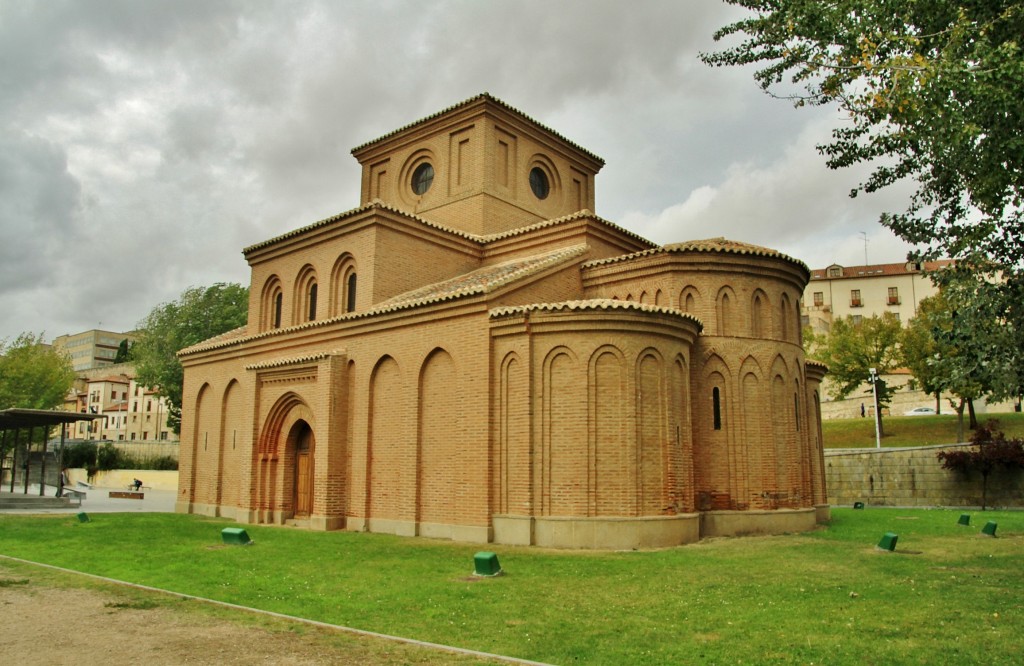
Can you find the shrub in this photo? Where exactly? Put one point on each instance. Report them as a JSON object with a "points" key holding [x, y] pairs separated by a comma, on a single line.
{"points": [[989, 449], [162, 463], [79, 455], [108, 457]]}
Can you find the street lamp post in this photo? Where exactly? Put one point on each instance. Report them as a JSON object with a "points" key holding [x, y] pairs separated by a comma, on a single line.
{"points": [[874, 398]]}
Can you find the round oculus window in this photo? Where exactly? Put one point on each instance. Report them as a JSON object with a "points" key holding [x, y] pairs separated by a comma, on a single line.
{"points": [[422, 178], [539, 183]]}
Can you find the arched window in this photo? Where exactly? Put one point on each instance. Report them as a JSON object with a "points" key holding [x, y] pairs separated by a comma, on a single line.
{"points": [[271, 301], [305, 295], [311, 297], [787, 313], [350, 293], [755, 317], [716, 407], [343, 286]]}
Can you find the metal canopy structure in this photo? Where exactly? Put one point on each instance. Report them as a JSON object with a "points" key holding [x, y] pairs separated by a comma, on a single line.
{"points": [[18, 419]]}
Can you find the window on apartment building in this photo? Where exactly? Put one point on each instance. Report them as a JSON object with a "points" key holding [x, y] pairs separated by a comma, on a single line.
{"points": [[113, 395], [163, 435], [894, 296], [835, 271], [149, 405], [819, 298], [278, 302], [716, 407], [133, 436], [855, 301], [312, 302], [857, 319], [145, 435]]}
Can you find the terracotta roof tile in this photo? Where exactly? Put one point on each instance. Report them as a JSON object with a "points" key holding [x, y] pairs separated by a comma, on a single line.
{"points": [[467, 102], [115, 379], [376, 204], [721, 245], [297, 360], [481, 281], [579, 215], [592, 304], [484, 280], [877, 269]]}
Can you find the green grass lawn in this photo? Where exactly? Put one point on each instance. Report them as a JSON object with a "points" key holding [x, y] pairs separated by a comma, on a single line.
{"points": [[909, 430], [946, 595]]}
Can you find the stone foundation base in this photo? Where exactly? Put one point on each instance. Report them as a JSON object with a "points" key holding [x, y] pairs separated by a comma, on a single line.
{"points": [[611, 533], [740, 523]]}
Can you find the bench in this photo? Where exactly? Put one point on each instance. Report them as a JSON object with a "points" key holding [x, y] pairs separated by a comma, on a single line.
{"points": [[126, 494]]}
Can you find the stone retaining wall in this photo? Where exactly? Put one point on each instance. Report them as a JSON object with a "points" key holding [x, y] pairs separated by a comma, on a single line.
{"points": [[913, 477]]}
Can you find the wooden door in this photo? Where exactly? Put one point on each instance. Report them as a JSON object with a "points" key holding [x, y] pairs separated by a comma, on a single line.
{"points": [[304, 473]]}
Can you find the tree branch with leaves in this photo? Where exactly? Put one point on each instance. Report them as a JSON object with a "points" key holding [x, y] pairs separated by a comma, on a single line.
{"points": [[199, 314]]}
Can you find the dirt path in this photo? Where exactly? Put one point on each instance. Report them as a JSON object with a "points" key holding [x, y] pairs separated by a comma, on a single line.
{"points": [[44, 623]]}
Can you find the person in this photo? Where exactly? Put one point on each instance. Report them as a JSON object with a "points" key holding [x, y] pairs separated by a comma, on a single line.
{"points": [[136, 484], [862, 410], [62, 482]]}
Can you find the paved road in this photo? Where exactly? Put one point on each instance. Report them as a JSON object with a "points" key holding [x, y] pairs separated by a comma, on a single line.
{"points": [[98, 500]]}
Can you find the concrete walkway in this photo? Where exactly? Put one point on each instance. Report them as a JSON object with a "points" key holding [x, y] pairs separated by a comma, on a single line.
{"points": [[98, 500]]}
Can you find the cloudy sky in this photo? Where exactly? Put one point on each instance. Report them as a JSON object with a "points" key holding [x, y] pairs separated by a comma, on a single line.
{"points": [[144, 143]]}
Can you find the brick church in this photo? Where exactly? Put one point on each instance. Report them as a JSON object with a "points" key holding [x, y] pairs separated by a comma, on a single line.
{"points": [[473, 354]]}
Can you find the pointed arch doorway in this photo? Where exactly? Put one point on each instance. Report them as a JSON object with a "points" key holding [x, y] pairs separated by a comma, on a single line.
{"points": [[302, 499]]}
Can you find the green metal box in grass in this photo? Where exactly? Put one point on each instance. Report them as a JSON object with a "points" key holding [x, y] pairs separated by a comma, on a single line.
{"points": [[486, 564], [888, 541], [235, 536]]}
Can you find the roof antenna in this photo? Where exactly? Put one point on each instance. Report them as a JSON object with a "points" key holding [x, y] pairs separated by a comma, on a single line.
{"points": [[865, 236]]}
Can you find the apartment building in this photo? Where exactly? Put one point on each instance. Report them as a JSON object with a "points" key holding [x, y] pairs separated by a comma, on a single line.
{"points": [[91, 349], [864, 291], [133, 412]]}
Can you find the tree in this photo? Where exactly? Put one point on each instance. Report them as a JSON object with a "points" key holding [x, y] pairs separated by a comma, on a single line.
{"points": [[124, 352], [851, 348], [919, 347], [991, 450], [961, 343], [932, 89], [32, 374], [197, 315]]}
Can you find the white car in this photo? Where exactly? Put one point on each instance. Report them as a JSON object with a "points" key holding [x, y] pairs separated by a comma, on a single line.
{"points": [[920, 411]]}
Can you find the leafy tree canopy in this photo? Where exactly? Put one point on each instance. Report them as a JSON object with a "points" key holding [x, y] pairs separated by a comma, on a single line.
{"points": [[33, 375], [198, 314], [851, 349], [920, 348], [124, 352], [932, 89]]}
